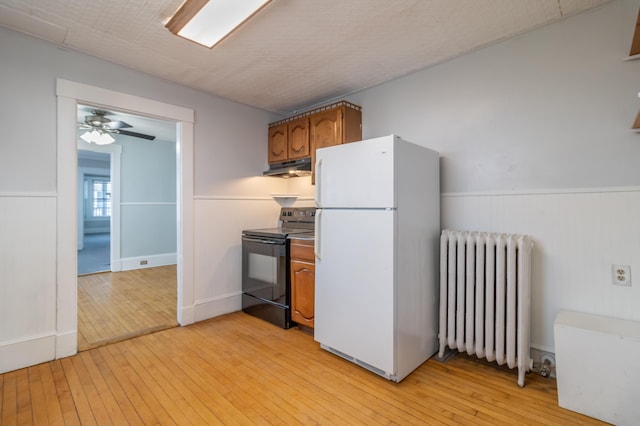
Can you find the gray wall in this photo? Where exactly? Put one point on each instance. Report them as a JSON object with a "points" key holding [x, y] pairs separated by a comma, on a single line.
{"points": [[148, 197], [535, 137], [549, 109], [230, 152]]}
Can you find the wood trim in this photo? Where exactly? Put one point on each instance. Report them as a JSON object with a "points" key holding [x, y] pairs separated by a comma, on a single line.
{"points": [[636, 124], [335, 105], [352, 126], [635, 44], [185, 13]]}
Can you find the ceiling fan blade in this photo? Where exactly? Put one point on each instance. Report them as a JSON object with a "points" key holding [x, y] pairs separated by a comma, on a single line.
{"points": [[136, 135], [117, 125]]}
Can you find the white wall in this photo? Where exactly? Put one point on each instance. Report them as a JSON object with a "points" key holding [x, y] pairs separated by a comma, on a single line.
{"points": [[549, 109], [230, 151], [148, 199], [534, 136]]}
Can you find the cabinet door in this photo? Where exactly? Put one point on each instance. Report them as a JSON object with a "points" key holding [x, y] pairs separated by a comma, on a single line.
{"points": [[326, 128], [302, 292], [299, 138], [278, 143]]}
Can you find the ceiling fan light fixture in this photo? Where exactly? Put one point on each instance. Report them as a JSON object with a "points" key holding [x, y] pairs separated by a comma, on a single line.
{"points": [[86, 136], [104, 139], [99, 138], [209, 22]]}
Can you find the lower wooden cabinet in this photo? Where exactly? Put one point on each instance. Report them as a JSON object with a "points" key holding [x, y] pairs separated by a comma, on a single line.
{"points": [[303, 275]]}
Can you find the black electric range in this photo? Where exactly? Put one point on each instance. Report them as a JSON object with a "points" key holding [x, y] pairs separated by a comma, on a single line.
{"points": [[266, 286]]}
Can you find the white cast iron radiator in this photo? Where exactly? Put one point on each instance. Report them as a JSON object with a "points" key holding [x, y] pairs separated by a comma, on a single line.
{"points": [[485, 295]]}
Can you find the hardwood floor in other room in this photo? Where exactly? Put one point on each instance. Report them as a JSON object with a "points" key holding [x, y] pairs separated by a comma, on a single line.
{"points": [[237, 369], [118, 305]]}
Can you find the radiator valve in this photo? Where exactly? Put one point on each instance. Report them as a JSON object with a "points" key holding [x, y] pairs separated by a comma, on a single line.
{"points": [[547, 365]]}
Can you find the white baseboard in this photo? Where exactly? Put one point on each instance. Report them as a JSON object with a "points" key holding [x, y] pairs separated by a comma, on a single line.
{"points": [[210, 308], [130, 263], [26, 352], [187, 315], [66, 344]]}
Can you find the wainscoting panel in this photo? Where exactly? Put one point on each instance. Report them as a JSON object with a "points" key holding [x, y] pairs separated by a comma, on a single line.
{"points": [[218, 248], [28, 268], [578, 235]]}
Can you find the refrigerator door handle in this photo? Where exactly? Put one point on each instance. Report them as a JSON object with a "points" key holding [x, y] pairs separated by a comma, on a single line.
{"points": [[318, 170], [317, 247]]}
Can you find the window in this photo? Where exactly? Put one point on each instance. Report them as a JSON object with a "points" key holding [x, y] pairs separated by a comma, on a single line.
{"points": [[97, 197]]}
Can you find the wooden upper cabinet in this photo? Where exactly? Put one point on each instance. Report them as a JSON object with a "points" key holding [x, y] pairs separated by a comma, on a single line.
{"points": [[278, 143], [299, 136], [298, 133], [336, 126], [326, 128]]}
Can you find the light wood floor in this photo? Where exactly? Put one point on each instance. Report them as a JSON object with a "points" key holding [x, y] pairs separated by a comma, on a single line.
{"points": [[114, 306], [237, 369]]}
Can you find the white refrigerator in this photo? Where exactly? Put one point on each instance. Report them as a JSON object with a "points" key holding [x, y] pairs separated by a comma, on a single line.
{"points": [[376, 247]]}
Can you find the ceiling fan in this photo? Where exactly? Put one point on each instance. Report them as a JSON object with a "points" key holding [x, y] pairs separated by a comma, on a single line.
{"points": [[99, 128]]}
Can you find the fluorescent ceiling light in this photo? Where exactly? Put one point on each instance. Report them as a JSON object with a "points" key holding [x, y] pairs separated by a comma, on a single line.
{"points": [[208, 22], [99, 138]]}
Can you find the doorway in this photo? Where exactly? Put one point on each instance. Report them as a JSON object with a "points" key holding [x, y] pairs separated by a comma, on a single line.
{"points": [[135, 293], [95, 190], [69, 95]]}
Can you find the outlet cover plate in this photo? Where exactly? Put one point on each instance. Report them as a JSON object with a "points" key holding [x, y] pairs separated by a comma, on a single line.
{"points": [[621, 275]]}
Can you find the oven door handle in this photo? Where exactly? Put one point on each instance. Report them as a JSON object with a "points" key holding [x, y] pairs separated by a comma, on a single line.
{"points": [[260, 240]]}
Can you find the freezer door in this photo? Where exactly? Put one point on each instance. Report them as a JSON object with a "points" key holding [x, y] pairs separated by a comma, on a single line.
{"points": [[354, 305], [356, 175]]}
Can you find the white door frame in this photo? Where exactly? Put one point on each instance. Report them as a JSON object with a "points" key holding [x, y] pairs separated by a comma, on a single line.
{"points": [[69, 95]]}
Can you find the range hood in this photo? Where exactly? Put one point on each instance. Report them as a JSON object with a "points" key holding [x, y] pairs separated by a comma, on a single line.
{"points": [[291, 168]]}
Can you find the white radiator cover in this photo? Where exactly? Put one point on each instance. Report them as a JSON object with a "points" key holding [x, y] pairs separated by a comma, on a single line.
{"points": [[485, 294], [597, 366]]}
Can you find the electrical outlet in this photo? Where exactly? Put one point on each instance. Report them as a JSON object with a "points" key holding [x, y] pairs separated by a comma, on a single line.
{"points": [[621, 275]]}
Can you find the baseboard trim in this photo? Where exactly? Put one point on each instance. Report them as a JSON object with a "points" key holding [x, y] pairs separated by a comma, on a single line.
{"points": [[26, 352], [131, 263], [186, 315], [66, 344], [214, 307]]}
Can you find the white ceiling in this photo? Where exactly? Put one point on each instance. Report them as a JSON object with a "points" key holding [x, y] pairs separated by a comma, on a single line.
{"points": [[295, 53]]}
